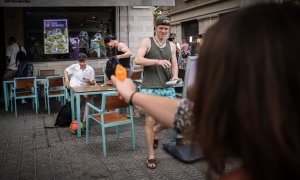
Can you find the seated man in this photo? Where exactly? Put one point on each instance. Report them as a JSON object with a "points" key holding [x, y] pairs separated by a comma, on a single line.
{"points": [[81, 75]]}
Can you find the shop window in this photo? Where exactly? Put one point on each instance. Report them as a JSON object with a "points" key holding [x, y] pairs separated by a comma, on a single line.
{"points": [[190, 29], [86, 29]]}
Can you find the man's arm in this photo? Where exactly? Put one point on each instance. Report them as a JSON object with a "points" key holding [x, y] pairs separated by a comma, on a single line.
{"points": [[67, 82], [122, 47], [141, 52], [92, 80], [174, 62]]}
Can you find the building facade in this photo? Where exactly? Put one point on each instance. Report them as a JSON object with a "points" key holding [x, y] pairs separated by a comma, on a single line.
{"points": [[88, 22], [189, 18]]}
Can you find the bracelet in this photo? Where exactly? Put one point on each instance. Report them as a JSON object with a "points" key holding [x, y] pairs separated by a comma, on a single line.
{"points": [[130, 100]]}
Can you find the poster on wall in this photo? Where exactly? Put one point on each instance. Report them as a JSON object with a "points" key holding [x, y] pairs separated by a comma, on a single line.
{"points": [[56, 40]]}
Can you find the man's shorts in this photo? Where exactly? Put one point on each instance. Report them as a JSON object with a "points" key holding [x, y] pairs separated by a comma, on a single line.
{"points": [[165, 92]]}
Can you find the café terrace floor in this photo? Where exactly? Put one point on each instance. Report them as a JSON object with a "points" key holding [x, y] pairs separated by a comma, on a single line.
{"points": [[30, 151]]}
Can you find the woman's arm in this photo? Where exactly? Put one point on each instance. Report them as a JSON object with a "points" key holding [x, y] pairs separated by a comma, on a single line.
{"points": [[174, 62], [161, 108], [122, 47]]}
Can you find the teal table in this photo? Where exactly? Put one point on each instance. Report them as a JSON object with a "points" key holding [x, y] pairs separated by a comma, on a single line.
{"points": [[85, 90]]}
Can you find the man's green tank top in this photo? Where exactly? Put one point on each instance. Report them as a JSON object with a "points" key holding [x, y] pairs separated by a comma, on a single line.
{"points": [[156, 76]]}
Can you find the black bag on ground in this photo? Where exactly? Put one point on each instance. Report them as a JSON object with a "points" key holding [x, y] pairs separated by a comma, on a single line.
{"points": [[111, 66], [64, 117]]}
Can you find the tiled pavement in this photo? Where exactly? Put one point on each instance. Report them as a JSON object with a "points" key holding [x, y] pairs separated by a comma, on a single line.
{"points": [[28, 150]]}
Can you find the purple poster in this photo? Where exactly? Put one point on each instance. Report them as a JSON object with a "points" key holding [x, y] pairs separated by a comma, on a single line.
{"points": [[56, 40]]}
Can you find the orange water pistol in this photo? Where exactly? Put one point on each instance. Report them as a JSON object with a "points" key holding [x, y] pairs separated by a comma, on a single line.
{"points": [[120, 73]]}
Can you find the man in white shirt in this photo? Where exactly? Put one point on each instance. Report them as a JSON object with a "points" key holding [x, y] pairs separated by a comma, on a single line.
{"points": [[81, 75], [11, 54]]}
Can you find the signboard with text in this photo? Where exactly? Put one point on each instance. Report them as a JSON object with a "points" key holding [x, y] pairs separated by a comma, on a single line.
{"points": [[56, 38]]}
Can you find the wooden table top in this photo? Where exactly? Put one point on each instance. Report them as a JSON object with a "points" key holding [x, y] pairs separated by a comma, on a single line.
{"points": [[93, 88]]}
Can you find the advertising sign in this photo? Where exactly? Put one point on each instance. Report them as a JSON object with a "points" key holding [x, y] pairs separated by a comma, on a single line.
{"points": [[56, 39]]}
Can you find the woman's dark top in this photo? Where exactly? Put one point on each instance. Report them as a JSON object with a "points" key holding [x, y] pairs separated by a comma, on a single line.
{"points": [[124, 61]]}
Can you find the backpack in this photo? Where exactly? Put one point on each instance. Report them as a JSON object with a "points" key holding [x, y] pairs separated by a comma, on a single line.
{"points": [[64, 116], [111, 66], [21, 56], [25, 69]]}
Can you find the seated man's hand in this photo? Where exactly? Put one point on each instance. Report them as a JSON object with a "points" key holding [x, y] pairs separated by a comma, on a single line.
{"points": [[87, 80], [67, 84]]}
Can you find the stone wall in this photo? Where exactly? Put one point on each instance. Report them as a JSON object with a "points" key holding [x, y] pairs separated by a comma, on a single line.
{"points": [[61, 65], [135, 24]]}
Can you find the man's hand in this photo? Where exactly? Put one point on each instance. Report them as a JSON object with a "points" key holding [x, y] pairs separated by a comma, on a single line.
{"points": [[164, 63], [67, 83], [87, 80]]}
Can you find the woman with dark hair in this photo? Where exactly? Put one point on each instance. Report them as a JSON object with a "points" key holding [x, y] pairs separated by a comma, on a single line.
{"points": [[246, 101], [123, 53]]}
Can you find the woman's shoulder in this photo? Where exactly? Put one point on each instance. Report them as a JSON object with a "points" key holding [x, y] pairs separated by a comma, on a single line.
{"points": [[183, 115]]}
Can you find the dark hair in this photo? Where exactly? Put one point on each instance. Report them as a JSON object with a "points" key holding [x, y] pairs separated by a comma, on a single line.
{"points": [[82, 57], [172, 36], [11, 39], [108, 38], [171, 39], [247, 100]]}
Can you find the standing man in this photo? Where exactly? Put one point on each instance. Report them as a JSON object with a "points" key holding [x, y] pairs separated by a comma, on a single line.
{"points": [[158, 56], [123, 52], [81, 75], [11, 54]]}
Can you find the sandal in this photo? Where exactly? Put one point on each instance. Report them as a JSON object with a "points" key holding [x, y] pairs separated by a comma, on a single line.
{"points": [[151, 163], [155, 143]]}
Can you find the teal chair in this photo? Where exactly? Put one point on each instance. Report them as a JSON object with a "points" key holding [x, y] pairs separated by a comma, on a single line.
{"points": [[137, 77], [100, 75], [54, 87], [108, 116], [23, 88], [46, 72]]}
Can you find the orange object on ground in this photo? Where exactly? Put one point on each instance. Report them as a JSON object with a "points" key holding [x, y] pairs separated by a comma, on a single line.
{"points": [[121, 72]]}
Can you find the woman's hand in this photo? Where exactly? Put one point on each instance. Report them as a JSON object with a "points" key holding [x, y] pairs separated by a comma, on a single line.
{"points": [[124, 88]]}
